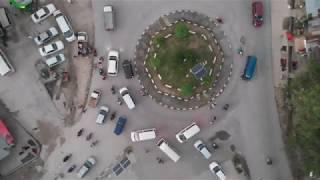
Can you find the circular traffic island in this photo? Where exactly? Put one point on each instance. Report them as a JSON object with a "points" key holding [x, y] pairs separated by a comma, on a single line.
{"points": [[179, 61]]}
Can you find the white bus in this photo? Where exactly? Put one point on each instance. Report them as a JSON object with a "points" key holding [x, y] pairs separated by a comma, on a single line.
{"points": [[164, 146]]}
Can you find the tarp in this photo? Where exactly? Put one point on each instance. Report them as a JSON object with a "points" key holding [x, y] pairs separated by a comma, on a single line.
{"points": [[4, 133]]}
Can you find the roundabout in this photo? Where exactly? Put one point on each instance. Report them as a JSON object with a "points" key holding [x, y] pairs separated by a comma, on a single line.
{"points": [[180, 63]]}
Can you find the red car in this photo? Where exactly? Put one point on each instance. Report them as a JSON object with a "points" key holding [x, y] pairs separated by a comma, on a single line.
{"points": [[257, 13]]}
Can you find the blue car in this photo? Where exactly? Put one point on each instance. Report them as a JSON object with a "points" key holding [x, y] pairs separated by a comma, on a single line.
{"points": [[120, 125]]}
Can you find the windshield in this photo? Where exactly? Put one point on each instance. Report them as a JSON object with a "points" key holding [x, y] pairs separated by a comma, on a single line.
{"points": [[68, 33]]}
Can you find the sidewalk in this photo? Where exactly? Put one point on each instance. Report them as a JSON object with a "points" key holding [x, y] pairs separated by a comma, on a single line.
{"points": [[279, 10]]}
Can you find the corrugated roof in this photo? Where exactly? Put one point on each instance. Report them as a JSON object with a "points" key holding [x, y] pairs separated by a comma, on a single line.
{"points": [[312, 7]]}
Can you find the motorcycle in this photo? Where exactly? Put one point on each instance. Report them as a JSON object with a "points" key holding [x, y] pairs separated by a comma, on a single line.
{"points": [[113, 116], [89, 136], [94, 143], [240, 51], [80, 132], [268, 160], [71, 168], [119, 101], [219, 20], [226, 107], [113, 90], [215, 145], [67, 157]]}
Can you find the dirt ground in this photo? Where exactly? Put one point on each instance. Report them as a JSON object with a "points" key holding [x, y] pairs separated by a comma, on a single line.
{"points": [[74, 93]]}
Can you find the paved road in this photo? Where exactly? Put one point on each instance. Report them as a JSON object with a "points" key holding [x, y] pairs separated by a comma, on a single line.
{"points": [[252, 120]]}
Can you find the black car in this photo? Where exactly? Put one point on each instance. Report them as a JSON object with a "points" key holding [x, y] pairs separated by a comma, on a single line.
{"points": [[127, 67]]}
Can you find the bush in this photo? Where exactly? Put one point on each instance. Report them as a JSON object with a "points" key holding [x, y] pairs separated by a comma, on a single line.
{"points": [[159, 40], [187, 90], [181, 31]]}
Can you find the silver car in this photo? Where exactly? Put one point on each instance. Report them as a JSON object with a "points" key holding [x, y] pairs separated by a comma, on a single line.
{"points": [[46, 36], [202, 148]]}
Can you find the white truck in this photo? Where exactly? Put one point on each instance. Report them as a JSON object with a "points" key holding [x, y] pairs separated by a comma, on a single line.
{"points": [[88, 164], [94, 98], [108, 18]]}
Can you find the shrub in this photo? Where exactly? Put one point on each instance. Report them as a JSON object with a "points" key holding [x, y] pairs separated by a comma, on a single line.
{"points": [[187, 90], [181, 31]]}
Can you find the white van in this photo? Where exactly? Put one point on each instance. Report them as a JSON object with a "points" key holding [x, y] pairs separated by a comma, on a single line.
{"points": [[164, 147], [188, 132], [127, 98], [143, 135], [64, 26], [5, 66]]}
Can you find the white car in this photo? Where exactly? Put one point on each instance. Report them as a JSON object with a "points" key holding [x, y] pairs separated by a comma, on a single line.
{"points": [[46, 36], [217, 170], [202, 148], [55, 60], [113, 59], [103, 113], [43, 13], [51, 48]]}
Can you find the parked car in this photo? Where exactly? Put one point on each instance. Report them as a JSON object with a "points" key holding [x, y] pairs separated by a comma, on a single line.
{"points": [[103, 113], [43, 13], [124, 92], [55, 60], [46, 36], [113, 59], [202, 148], [84, 169], [51, 48], [120, 125], [127, 68], [216, 169], [65, 26], [257, 13]]}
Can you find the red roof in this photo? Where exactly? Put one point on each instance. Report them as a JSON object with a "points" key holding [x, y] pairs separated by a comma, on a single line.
{"points": [[4, 133]]}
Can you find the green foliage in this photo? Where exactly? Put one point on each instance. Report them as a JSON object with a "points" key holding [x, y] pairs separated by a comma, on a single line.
{"points": [[155, 62], [306, 122], [186, 90], [181, 31], [208, 80], [159, 40]]}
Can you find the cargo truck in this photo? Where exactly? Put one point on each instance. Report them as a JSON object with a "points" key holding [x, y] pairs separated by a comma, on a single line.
{"points": [[108, 18]]}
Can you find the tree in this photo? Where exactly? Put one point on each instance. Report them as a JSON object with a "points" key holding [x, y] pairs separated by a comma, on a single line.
{"points": [[306, 116]]}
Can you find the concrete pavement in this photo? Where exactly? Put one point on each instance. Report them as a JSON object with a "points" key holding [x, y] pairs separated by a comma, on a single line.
{"points": [[252, 120]]}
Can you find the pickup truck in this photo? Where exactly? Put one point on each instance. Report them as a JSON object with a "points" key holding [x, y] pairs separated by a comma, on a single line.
{"points": [[83, 47], [94, 98], [88, 164], [108, 18]]}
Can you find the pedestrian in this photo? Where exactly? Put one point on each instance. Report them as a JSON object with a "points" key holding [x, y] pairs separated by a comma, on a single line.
{"points": [[34, 129], [84, 110]]}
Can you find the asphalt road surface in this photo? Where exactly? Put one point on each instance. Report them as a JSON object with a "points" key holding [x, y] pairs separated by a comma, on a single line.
{"points": [[252, 120]]}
